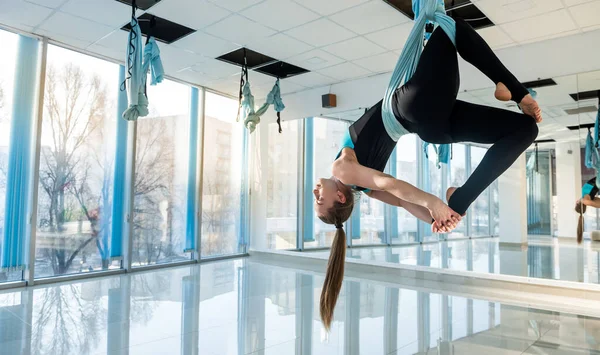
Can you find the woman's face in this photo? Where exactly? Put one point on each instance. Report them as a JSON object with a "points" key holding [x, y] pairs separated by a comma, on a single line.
{"points": [[327, 192]]}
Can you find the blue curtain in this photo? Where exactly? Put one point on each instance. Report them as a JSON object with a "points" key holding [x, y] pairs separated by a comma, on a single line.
{"points": [[190, 235], [309, 144], [119, 183], [20, 172]]}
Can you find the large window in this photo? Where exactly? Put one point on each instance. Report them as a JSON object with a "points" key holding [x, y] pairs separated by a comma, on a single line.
{"points": [[282, 185], [406, 169], [480, 216], [76, 164], [8, 43], [372, 227], [327, 137], [161, 162], [222, 181], [458, 176]]}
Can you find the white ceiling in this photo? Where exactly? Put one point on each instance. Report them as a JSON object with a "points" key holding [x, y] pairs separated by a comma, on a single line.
{"points": [[338, 40]]}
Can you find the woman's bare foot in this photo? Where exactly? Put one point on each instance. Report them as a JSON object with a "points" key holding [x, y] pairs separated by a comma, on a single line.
{"points": [[502, 93], [530, 107]]}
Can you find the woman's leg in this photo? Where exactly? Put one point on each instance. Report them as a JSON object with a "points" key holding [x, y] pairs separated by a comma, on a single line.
{"points": [[476, 51], [428, 97], [509, 132]]}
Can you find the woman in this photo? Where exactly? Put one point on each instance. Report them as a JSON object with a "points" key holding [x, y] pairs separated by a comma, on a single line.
{"points": [[426, 105], [588, 193]]}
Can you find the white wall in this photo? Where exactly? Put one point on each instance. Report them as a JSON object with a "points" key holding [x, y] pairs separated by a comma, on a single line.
{"points": [[551, 58], [568, 187]]}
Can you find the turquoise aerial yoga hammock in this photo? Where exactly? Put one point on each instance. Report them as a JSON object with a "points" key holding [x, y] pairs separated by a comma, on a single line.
{"points": [[592, 155], [138, 64], [250, 115], [426, 12]]}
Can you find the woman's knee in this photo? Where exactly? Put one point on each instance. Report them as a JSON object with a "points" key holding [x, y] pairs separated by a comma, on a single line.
{"points": [[529, 129]]}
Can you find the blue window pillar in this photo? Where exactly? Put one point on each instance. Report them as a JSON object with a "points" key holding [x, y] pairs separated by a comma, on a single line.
{"points": [[20, 159], [120, 175], [424, 229], [190, 233], [391, 212], [309, 150]]}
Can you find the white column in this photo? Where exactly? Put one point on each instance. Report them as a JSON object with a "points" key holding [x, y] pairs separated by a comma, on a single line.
{"points": [[512, 192], [259, 146], [568, 187]]}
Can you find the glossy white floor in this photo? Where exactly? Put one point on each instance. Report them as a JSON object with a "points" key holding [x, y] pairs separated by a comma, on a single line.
{"points": [[245, 307], [544, 257]]}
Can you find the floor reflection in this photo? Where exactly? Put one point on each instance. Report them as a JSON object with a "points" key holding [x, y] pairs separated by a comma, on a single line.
{"points": [[244, 307], [543, 258]]}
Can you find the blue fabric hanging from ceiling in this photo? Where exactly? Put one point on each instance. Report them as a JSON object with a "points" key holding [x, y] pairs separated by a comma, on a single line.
{"points": [[597, 124], [432, 11], [251, 116], [191, 232], [20, 152], [152, 62], [135, 80], [442, 151], [589, 147], [120, 177]]}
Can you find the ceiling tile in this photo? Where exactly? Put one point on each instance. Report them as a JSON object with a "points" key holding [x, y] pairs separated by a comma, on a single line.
{"points": [[354, 48], [315, 59], [235, 5], [289, 87], [229, 87], [330, 6], [392, 38], [107, 52], [381, 63], [74, 27], [280, 46], [501, 12], [216, 69], [540, 26], [576, 2], [239, 30], [320, 33], [116, 40], [108, 12], [495, 37], [205, 44], [175, 59], [68, 40], [345, 71], [51, 4], [587, 14], [370, 17], [194, 14], [310, 80], [280, 14], [20, 13], [557, 35]]}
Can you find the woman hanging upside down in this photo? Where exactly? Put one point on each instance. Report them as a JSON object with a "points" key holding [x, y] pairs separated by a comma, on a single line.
{"points": [[589, 191], [427, 106]]}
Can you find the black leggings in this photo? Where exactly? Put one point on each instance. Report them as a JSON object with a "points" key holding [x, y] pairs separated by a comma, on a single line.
{"points": [[427, 106]]}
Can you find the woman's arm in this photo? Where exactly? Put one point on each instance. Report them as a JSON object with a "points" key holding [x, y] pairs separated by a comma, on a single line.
{"points": [[352, 173], [591, 202], [420, 212]]}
